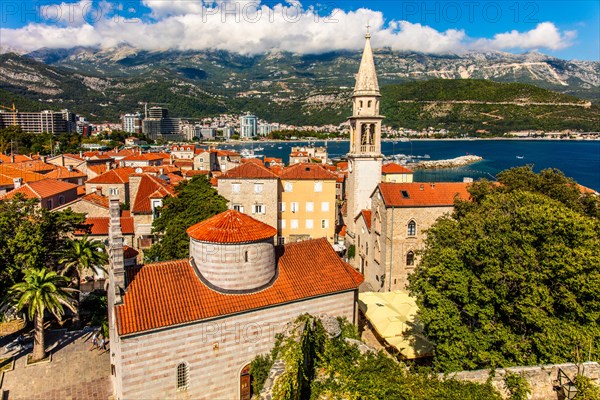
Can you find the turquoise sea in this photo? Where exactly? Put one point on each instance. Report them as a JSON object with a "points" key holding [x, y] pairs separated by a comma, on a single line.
{"points": [[577, 159]]}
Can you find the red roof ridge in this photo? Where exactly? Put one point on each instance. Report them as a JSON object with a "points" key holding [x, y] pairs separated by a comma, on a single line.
{"points": [[231, 227], [307, 171]]}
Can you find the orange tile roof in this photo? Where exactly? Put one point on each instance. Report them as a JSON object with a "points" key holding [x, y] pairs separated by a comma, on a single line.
{"points": [[117, 175], [422, 194], [196, 172], [273, 160], [74, 156], [14, 158], [171, 293], [393, 168], [225, 153], [151, 187], [98, 169], [307, 171], [8, 173], [231, 227], [343, 231], [96, 199], [342, 165], [249, 170], [174, 179], [121, 153], [98, 226], [183, 163], [34, 166], [42, 189], [64, 173], [257, 161], [81, 190], [366, 214]]}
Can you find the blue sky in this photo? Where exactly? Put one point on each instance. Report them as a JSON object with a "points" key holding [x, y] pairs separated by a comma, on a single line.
{"points": [[560, 28]]}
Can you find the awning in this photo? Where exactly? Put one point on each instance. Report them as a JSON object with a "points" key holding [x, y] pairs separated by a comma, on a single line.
{"points": [[393, 315]]}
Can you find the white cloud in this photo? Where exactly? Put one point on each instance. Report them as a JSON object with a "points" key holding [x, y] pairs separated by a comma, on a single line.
{"points": [[544, 35], [251, 27]]}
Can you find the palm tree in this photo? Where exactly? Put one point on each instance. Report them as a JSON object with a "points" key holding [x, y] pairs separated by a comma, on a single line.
{"points": [[82, 255], [41, 290]]}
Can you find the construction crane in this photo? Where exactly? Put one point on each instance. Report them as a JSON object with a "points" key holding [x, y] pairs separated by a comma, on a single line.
{"points": [[13, 110]]}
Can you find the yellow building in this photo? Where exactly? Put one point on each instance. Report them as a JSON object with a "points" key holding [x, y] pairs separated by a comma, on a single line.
{"points": [[396, 173], [307, 207]]}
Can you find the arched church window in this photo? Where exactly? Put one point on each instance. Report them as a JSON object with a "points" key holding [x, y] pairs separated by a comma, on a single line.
{"points": [[183, 376], [360, 104], [412, 228], [369, 104], [246, 256], [410, 258]]}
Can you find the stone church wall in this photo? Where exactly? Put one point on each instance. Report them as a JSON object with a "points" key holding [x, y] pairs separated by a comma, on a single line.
{"points": [[215, 351]]}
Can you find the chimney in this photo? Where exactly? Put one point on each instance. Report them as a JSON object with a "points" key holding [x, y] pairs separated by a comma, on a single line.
{"points": [[98, 190], [17, 182], [70, 168], [115, 245], [161, 171], [81, 154], [432, 185], [421, 187], [108, 166], [134, 186]]}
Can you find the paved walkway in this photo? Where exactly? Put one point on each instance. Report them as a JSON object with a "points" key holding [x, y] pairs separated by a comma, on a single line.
{"points": [[74, 372]]}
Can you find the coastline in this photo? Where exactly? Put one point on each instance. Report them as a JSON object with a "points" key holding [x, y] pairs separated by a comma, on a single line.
{"points": [[399, 140]]}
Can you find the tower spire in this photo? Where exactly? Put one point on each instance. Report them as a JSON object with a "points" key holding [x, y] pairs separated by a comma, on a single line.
{"points": [[366, 79]]}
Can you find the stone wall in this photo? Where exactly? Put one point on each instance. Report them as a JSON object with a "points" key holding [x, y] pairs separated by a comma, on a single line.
{"points": [[215, 351], [542, 379], [247, 197]]}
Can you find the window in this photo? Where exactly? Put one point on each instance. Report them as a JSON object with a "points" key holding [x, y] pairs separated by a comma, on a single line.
{"points": [[294, 206], [113, 191], [325, 206], [288, 187], [294, 224], [325, 224], [410, 258], [309, 224], [282, 206], [282, 224], [183, 372], [61, 200], [238, 207], [201, 159], [405, 194], [310, 206], [318, 187], [367, 248], [236, 187], [258, 188], [412, 228], [259, 209], [360, 104], [246, 256], [49, 204], [369, 104], [281, 240]]}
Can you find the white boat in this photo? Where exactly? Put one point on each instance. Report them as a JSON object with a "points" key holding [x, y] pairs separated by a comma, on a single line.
{"points": [[249, 153], [280, 147], [520, 157]]}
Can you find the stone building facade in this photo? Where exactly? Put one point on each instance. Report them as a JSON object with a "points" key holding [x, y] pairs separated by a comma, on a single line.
{"points": [[252, 189], [400, 215]]}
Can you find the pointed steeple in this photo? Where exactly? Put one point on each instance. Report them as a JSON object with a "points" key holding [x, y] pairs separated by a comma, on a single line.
{"points": [[366, 79]]}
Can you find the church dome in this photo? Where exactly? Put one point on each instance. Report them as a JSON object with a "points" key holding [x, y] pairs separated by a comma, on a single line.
{"points": [[233, 252]]}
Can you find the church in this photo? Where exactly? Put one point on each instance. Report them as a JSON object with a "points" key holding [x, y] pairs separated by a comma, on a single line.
{"points": [[190, 328]]}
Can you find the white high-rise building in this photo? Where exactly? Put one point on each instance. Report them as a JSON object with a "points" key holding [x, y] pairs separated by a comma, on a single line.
{"points": [[248, 126], [364, 158]]}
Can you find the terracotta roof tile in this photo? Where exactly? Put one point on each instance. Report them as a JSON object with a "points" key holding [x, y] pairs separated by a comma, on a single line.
{"points": [[130, 252], [98, 226], [96, 199], [64, 173], [249, 170], [366, 214], [417, 194], [393, 168], [34, 166], [14, 158], [151, 187], [171, 293], [307, 171], [231, 227], [143, 157], [117, 175], [42, 189], [257, 161], [8, 173], [81, 190], [196, 172]]}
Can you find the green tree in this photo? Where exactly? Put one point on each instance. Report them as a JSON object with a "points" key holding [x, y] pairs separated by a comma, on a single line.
{"points": [[82, 255], [510, 279], [194, 201], [41, 290], [31, 237]]}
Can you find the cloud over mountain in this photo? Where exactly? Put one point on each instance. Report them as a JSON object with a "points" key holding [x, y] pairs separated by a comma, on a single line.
{"points": [[251, 27]]}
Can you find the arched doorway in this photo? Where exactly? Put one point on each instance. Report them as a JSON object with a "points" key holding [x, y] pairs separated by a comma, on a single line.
{"points": [[245, 383]]}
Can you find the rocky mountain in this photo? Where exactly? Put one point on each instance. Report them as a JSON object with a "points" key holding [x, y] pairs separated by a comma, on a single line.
{"points": [[281, 86]]}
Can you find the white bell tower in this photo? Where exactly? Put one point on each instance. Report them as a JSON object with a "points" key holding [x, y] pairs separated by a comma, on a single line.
{"points": [[364, 158]]}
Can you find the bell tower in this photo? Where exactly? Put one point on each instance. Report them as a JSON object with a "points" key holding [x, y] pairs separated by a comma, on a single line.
{"points": [[364, 158]]}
